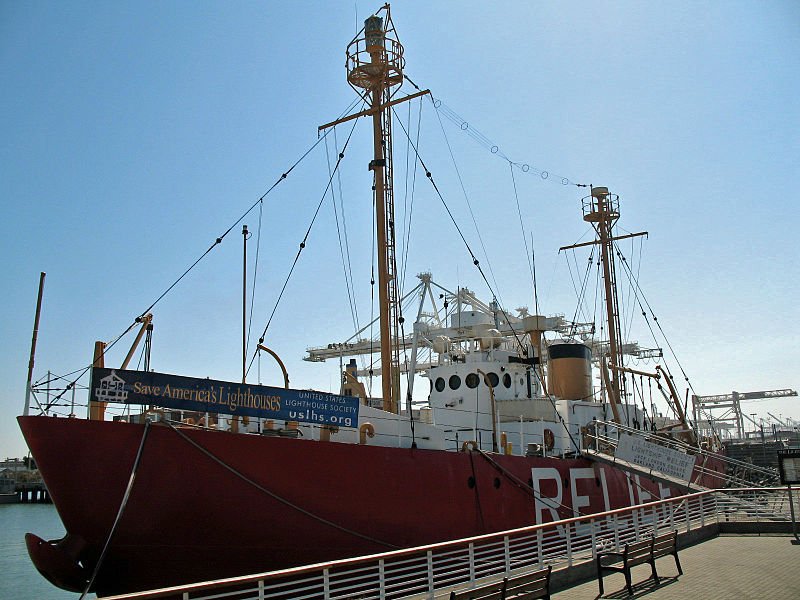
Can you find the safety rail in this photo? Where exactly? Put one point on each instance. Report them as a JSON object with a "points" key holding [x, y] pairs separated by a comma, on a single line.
{"points": [[753, 505], [739, 473], [427, 570]]}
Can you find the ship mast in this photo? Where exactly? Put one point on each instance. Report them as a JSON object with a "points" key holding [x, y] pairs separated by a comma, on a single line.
{"points": [[374, 67], [603, 214], [601, 209], [381, 166]]}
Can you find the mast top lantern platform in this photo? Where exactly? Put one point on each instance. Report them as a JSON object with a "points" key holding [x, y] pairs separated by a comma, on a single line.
{"points": [[601, 206], [375, 56]]}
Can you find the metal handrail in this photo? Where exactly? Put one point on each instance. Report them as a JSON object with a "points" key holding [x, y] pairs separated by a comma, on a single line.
{"points": [[423, 571], [764, 472]]}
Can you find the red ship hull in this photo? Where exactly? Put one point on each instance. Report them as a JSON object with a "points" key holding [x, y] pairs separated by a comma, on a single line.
{"points": [[190, 518]]}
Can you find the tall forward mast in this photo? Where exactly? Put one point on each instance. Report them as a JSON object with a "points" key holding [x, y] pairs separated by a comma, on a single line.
{"points": [[375, 70]]}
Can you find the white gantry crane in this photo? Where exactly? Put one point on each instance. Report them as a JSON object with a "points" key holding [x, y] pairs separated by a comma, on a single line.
{"points": [[724, 411]]}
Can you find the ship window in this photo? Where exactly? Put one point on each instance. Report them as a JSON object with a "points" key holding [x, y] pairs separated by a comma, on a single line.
{"points": [[507, 380], [455, 382], [472, 380], [439, 384], [494, 380]]}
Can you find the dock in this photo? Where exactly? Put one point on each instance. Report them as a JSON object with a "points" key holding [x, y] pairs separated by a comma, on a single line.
{"points": [[733, 543], [727, 566], [32, 493]]}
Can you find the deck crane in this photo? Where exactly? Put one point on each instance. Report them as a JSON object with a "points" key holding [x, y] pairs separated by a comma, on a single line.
{"points": [[731, 405]]}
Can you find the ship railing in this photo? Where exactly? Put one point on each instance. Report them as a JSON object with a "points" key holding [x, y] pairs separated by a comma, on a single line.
{"points": [[738, 473], [432, 570]]}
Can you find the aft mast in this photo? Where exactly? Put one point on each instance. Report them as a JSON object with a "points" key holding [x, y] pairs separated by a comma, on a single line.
{"points": [[601, 209], [603, 213]]}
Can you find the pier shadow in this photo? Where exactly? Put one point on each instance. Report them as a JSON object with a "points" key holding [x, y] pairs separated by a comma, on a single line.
{"points": [[640, 589]]}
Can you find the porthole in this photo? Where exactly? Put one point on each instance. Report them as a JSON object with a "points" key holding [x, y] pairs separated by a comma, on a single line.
{"points": [[507, 380], [455, 382], [439, 384], [472, 380], [494, 380]]}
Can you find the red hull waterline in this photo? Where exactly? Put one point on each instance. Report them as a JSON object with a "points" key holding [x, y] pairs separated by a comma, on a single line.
{"points": [[189, 518]]}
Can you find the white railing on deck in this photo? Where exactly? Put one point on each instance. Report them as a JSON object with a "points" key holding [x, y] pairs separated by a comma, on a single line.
{"points": [[435, 569]]}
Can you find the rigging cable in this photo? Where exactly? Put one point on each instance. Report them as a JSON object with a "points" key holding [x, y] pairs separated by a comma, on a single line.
{"points": [[545, 500], [372, 293], [581, 298], [655, 319], [345, 261], [344, 229], [466, 198], [597, 280], [535, 286], [255, 274], [475, 261], [632, 290], [410, 213], [83, 370], [484, 141], [522, 228], [303, 243]]}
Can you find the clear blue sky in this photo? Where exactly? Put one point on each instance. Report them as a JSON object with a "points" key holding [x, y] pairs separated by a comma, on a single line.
{"points": [[134, 133]]}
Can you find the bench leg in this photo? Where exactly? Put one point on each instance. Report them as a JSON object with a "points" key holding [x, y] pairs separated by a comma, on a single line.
{"points": [[600, 576], [678, 563], [627, 573], [655, 574]]}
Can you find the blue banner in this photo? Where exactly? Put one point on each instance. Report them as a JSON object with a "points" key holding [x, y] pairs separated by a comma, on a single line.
{"points": [[208, 395]]}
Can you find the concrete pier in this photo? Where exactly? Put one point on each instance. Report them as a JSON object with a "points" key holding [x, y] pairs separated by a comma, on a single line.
{"points": [[33, 493]]}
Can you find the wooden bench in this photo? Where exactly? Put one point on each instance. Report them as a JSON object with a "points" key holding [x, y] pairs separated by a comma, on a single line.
{"points": [[528, 586], [488, 591], [666, 545], [639, 553]]}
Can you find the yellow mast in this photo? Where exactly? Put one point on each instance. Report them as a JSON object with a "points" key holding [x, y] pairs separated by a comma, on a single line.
{"points": [[375, 65], [601, 209], [603, 215]]}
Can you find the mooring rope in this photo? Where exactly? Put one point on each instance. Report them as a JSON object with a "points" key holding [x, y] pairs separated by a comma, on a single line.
{"points": [[275, 496], [122, 506]]}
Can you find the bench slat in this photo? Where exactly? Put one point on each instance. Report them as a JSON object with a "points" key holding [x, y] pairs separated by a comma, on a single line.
{"points": [[541, 575], [487, 591], [528, 586]]}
